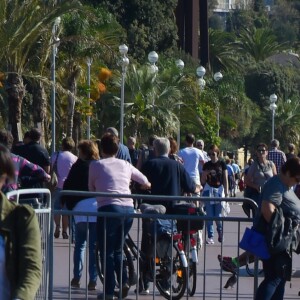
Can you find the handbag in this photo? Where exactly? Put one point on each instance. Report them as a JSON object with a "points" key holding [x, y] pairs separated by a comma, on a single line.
{"points": [[52, 183], [255, 243]]}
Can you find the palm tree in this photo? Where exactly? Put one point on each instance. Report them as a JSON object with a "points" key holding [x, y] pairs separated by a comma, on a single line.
{"points": [[92, 37], [222, 51], [287, 121], [22, 26], [258, 43], [151, 103]]}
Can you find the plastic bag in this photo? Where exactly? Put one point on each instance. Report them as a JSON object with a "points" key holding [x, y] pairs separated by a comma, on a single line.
{"points": [[225, 208]]}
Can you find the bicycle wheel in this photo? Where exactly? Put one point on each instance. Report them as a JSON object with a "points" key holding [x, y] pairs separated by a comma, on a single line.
{"points": [[192, 278], [165, 280], [127, 264]]}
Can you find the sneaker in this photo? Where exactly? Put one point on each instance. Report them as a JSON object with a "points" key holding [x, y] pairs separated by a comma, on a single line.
{"points": [[220, 236], [75, 284], [210, 241], [107, 297], [145, 292], [227, 264], [92, 286]]}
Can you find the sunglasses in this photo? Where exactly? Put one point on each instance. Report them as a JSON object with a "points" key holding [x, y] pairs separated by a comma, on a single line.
{"points": [[199, 145], [261, 150]]}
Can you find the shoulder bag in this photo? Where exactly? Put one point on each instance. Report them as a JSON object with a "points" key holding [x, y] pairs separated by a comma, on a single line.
{"points": [[51, 185]]}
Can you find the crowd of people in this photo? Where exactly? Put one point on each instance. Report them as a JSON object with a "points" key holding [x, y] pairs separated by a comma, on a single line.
{"points": [[106, 165]]}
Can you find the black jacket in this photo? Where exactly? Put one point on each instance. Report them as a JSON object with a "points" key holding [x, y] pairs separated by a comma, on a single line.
{"points": [[78, 180]]}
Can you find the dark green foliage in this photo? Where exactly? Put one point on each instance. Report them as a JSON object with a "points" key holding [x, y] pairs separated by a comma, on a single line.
{"points": [[150, 25], [258, 5], [267, 78]]}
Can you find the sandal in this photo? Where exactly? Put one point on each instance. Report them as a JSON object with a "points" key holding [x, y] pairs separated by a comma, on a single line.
{"points": [[57, 232], [65, 235]]}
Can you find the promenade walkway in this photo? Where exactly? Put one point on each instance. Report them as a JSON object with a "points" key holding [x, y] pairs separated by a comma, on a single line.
{"points": [[213, 280]]}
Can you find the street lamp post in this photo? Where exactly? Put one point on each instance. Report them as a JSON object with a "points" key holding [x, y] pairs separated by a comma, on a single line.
{"points": [[217, 77], [123, 49], [180, 65], [153, 58], [273, 106], [89, 63], [55, 44], [200, 73]]}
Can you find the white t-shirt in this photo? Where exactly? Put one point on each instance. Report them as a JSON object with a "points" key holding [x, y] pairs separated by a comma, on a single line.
{"points": [[4, 283], [192, 157], [65, 161], [86, 205]]}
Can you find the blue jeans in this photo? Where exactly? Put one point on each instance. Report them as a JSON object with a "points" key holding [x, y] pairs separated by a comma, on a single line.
{"points": [[276, 271], [79, 250], [114, 246], [212, 210]]}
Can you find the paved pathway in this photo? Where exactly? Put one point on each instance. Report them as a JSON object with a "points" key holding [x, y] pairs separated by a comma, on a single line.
{"points": [[213, 280]]}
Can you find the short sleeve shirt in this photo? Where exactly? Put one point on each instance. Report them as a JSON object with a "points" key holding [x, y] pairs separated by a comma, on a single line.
{"points": [[275, 192], [191, 157]]}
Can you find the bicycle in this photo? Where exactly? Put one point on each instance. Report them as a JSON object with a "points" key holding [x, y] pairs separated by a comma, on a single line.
{"points": [[168, 267], [189, 232]]}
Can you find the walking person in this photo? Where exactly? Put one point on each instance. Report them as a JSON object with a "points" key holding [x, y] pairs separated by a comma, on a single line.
{"points": [[64, 160], [78, 180], [192, 157], [258, 173], [276, 156], [200, 146], [215, 181], [278, 193]]}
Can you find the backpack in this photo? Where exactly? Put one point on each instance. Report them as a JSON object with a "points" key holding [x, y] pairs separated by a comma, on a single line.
{"points": [[281, 233]]}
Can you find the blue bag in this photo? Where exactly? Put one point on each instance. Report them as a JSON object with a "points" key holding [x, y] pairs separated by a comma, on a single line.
{"points": [[255, 243]]}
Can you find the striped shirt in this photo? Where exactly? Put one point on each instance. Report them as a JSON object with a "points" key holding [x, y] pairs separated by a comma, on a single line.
{"points": [[26, 173]]}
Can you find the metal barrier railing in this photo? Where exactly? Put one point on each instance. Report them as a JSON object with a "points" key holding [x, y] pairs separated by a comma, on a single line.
{"points": [[230, 224], [43, 212]]}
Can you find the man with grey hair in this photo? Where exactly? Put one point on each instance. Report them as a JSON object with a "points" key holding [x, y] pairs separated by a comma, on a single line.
{"points": [[200, 146], [276, 156], [167, 176]]}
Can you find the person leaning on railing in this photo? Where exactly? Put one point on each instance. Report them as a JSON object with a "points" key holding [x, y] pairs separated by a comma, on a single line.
{"points": [[20, 243]]}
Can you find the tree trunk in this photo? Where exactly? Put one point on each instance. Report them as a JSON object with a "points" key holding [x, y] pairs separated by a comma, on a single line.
{"points": [[72, 87], [39, 104], [77, 128], [15, 90]]}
